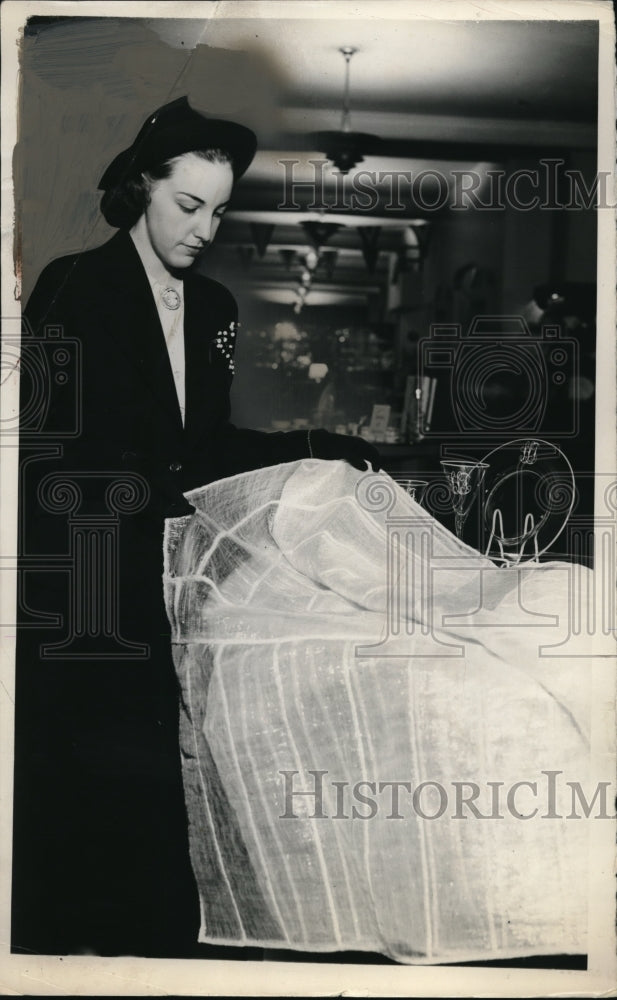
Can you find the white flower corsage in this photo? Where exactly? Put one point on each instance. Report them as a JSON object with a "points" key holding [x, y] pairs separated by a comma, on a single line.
{"points": [[225, 342]]}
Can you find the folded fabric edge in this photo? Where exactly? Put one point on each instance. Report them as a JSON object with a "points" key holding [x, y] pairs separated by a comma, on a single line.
{"points": [[251, 474]]}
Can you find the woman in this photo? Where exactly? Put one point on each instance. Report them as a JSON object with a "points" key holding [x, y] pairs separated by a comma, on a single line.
{"points": [[101, 858]]}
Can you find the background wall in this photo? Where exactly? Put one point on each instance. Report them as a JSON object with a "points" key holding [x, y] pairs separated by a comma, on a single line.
{"points": [[88, 85]]}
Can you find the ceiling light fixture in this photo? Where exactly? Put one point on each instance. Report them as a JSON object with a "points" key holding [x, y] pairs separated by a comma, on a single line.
{"points": [[345, 148]]}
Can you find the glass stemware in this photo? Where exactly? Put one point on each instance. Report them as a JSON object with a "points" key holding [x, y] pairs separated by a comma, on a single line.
{"points": [[464, 478], [415, 488]]}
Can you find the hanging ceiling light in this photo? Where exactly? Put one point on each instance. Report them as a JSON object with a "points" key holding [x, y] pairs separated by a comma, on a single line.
{"points": [[345, 148]]}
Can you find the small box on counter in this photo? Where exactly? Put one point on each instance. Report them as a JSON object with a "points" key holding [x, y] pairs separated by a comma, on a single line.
{"points": [[380, 429], [380, 418]]}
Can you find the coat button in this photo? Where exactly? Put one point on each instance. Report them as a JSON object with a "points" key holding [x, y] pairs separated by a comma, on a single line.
{"points": [[175, 466]]}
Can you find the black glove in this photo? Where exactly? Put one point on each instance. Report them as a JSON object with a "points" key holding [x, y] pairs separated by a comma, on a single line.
{"points": [[354, 450]]}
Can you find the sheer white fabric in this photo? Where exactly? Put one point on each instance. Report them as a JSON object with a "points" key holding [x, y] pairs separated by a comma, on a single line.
{"points": [[324, 640]]}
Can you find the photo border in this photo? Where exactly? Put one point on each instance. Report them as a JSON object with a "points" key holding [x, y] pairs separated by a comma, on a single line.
{"points": [[85, 975]]}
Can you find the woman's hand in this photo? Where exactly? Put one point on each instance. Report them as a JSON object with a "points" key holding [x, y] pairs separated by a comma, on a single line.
{"points": [[355, 450]]}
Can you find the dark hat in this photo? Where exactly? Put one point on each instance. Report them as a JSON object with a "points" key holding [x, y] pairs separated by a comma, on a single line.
{"points": [[175, 129]]}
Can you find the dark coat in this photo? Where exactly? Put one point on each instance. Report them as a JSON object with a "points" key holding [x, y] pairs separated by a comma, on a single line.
{"points": [[101, 858]]}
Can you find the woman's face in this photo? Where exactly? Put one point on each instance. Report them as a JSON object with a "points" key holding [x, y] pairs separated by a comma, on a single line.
{"points": [[186, 208]]}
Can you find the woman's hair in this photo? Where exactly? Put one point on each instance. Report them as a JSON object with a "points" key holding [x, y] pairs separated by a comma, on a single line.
{"points": [[123, 205]]}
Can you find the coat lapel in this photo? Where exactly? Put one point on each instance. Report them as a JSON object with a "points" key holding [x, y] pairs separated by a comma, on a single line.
{"points": [[135, 325]]}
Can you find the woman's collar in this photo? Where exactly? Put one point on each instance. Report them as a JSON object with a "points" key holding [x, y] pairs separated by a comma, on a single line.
{"points": [[153, 266]]}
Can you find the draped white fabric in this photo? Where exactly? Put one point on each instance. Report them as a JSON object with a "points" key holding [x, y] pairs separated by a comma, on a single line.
{"points": [[332, 639]]}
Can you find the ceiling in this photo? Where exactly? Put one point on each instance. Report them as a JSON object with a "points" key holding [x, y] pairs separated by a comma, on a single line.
{"points": [[413, 76], [440, 95]]}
